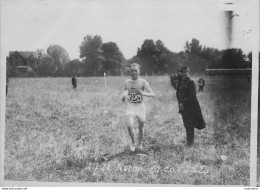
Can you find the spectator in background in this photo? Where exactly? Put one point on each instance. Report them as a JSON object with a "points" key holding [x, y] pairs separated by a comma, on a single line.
{"points": [[201, 84], [74, 82]]}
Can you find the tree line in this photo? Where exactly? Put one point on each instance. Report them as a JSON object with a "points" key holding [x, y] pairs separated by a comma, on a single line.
{"points": [[155, 58], [97, 58]]}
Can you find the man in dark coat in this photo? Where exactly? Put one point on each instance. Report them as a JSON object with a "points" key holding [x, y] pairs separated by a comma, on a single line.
{"points": [[74, 82], [201, 84], [189, 106], [176, 81]]}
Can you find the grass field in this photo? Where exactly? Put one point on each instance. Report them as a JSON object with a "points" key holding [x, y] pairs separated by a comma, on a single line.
{"points": [[56, 134]]}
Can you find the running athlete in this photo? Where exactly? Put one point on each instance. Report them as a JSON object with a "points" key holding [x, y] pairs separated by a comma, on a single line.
{"points": [[135, 89]]}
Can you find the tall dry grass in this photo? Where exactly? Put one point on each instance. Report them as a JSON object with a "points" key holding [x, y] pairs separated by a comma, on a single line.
{"points": [[56, 134]]}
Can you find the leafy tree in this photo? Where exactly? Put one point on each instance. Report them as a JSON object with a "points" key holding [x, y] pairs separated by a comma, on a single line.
{"points": [[201, 58], [193, 47], [212, 57], [160, 48], [113, 58], [176, 61], [233, 59], [147, 54], [158, 59], [147, 49], [91, 51], [198, 58], [60, 57], [74, 66], [46, 66], [40, 53], [134, 59], [163, 57], [196, 63], [155, 57], [249, 56], [181, 58]]}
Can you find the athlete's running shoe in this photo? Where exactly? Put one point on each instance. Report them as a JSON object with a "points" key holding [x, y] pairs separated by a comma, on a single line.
{"points": [[132, 147], [140, 147]]}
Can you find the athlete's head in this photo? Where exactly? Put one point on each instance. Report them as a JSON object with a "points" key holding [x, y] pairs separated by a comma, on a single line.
{"points": [[135, 70]]}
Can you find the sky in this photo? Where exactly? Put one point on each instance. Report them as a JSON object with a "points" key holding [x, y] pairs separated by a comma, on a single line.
{"points": [[28, 25]]}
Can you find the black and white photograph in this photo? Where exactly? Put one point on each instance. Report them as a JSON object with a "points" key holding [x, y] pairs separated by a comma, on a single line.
{"points": [[258, 146], [127, 92], [258, 131]]}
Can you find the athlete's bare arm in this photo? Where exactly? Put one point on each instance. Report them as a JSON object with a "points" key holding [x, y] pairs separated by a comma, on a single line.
{"points": [[124, 94], [148, 92]]}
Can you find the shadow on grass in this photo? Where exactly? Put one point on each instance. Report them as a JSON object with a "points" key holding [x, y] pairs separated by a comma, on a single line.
{"points": [[73, 162]]}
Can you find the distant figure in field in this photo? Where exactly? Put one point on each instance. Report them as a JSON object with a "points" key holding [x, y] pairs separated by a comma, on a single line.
{"points": [[189, 106], [7, 82], [135, 88], [201, 84], [74, 82]]}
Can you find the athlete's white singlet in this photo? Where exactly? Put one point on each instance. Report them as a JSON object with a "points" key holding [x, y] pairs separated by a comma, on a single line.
{"points": [[135, 104]]}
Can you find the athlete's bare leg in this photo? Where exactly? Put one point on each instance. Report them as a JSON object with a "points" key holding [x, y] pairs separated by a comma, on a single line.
{"points": [[141, 133], [130, 125]]}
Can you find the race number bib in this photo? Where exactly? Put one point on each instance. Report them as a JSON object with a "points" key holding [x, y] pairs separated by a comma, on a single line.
{"points": [[135, 97]]}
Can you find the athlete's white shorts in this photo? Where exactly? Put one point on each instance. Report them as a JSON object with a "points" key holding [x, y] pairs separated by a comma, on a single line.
{"points": [[137, 110]]}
